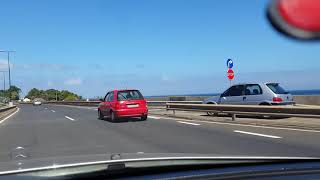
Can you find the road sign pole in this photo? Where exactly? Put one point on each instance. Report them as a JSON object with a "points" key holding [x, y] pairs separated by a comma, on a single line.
{"points": [[9, 69], [4, 81]]}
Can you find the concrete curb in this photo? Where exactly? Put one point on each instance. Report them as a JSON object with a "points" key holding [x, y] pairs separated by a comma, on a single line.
{"points": [[270, 124], [7, 111]]}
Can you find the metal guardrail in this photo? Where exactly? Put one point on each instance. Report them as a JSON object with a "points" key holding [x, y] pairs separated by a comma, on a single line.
{"points": [[278, 111], [76, 103], [163, 103], [96, 103]]}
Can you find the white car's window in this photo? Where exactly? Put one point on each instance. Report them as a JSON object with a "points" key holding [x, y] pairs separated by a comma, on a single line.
{"points": [[276, 88], [253, 89], [235, 91]]}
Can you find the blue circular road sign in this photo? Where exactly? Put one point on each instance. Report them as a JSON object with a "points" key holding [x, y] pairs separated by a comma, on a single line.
{"points": [[229, 63]]}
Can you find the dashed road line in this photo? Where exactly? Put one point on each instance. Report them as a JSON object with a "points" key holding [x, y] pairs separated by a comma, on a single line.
{"points": [[194, 124], [69, 118], [53, 111], [243, 125], [154, 117], [257, 134]]}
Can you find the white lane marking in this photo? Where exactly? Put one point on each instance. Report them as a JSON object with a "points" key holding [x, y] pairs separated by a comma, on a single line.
{"points": [[257, 134], [154, 117], [45, 108], [244, 125], [53, 111], [69, 118], [9, 116], [194, 124]]}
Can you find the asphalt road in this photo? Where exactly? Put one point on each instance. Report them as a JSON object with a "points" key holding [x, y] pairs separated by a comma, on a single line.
{"points": [[55, 131]]}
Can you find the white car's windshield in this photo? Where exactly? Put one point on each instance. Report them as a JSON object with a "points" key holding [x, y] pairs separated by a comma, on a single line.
{"points": [[80, 78]]}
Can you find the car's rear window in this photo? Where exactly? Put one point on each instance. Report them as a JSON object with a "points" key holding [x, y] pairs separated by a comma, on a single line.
{"points": [[276, 88], [129, 95]]}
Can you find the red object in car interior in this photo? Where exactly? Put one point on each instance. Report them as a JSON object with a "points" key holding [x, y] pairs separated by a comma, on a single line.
{"points": [[302, 14], [299, 19]]}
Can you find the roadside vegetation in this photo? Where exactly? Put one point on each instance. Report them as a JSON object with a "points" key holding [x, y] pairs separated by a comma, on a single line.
{"points": [[13, 93], [53, 95]]}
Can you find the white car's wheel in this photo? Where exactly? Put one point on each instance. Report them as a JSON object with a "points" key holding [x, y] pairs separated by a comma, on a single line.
{"points": [[212, 113]]}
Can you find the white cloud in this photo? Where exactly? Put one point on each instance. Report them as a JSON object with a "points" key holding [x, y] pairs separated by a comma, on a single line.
{"points": [[73, 81]]}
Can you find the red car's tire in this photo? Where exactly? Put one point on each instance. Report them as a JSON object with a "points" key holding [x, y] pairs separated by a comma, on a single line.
{"points": [[113, 117], [100, 115], [144, 118]]}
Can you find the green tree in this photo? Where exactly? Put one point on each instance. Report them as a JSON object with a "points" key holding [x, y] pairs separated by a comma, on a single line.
{"points": [[71, 98], [52, 94], [66, 95], [33, 93], [3, 93], [13, 92], [14, 95]]}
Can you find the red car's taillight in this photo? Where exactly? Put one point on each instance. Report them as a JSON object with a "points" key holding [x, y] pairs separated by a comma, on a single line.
{"points": [[277, 99], [121, 105]]}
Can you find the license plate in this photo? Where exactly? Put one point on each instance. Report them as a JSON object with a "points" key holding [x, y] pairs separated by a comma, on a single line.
{"points": [[133, 105]]}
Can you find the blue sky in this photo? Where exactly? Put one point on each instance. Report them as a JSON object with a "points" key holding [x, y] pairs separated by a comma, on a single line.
{"points": [[158, 46]]}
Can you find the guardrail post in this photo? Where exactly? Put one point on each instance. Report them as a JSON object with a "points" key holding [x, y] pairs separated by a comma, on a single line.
{"points": [[234, 117], [174, 112]]}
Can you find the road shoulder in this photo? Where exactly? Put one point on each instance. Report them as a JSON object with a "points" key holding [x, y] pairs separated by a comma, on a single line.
{"points": [[7, 112], [312, 124]]}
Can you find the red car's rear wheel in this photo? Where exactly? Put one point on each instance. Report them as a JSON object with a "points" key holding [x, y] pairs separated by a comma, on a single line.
{"points": [[145, 117], [100, 115], [113, 117]]}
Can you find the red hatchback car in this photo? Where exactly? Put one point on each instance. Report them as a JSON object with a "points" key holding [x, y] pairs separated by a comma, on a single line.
{"points": [[123, 103]]}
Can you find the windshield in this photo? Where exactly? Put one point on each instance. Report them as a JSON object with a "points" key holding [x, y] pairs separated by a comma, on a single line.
{"points": [[129, 95], [148, 77], [276, 88]]}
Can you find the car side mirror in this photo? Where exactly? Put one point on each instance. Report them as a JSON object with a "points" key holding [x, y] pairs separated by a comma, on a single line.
{"points": [[102, 100]]}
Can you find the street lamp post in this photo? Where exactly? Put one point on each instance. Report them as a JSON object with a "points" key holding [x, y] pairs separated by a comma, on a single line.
{"points": [[8, 52], [4, 80]]}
